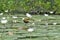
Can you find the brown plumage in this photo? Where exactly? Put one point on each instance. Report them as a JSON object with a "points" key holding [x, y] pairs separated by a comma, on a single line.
{"points": [[26, 20]]}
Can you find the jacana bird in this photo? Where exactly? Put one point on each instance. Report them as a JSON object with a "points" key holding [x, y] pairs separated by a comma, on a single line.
{"points": [[26, 20]]}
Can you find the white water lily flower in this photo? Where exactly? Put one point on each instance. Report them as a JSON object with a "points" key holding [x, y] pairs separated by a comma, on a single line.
{"points": [[30, 29], [51, 12], [14, 17], [4, 21], [22, 18], [28, 15], [54, 23], [1, 13], [15, 21], [3, 17], [6, 10], [45, 14], [33, 23]]}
